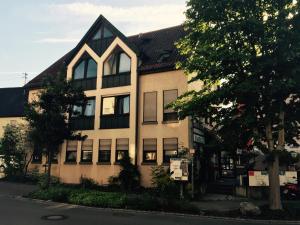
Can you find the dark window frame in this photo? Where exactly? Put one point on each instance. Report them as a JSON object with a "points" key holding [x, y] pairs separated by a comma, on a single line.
{"points": [[99, 150], [72, 151], [86, 60], [164, 150], [118, 51], [123, 151], [102, 27], [144, 121], [149, 151], [81, 152], [169, 116]]}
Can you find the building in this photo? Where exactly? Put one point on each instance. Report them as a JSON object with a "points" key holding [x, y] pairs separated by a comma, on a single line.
{"points": [[128, 81]]}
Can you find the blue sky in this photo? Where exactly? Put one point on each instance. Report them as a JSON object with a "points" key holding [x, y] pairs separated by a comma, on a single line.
{"points": [[35, 33]]}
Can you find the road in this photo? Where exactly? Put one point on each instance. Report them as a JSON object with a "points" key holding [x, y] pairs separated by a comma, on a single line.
{"points": [[16, 210]]}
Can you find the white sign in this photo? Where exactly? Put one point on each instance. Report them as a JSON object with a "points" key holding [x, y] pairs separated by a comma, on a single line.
{"points": [[179, 169], [261, 178]]}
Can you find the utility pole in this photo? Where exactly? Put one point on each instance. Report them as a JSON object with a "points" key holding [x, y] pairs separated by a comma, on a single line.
{"points": [[25, 77]]}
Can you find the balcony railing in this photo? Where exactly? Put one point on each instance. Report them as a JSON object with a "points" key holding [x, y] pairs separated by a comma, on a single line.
{"points": [[116, 80], [82, 123], [114, 121], [86, 84]]}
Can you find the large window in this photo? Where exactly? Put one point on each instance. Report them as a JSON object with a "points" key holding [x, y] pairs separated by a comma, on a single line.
{"points": [[87, 151], [150, 104], [104, 150], [122, 148], [169, 114], [170, 146], [150, 150], [82, 117], [85, 73], [115, 112], [71, 151], [116, 70]]}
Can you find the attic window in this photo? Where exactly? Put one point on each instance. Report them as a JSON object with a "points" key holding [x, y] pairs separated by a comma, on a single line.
{"points": [[102, 33], [164, 55]]}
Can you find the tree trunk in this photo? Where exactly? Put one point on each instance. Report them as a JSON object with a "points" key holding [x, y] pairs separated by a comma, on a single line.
{"points": [[49, 168], [274, 184], [27, 164]]}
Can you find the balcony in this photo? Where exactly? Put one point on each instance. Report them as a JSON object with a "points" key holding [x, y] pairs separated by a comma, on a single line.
{"points": [[86, 84], [82, 123], [116, 80], [114, 121]]}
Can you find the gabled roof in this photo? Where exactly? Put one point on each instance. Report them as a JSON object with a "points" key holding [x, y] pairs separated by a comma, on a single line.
{"points": [[156, 50], [12, 102]]}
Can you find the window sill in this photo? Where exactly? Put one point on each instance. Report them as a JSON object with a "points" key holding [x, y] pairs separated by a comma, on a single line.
{"points": [[70, 163], [149, 123], [104, 163], [149, 163], [85, 163], [170, 121]]}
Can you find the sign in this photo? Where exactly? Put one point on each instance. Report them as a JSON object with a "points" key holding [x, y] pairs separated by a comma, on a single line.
{"points": [[199, 139], [261, 178], [179, 169], [192, 151]]}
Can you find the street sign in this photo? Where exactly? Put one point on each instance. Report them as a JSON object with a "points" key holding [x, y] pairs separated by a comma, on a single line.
{"points": [[179, 169]]}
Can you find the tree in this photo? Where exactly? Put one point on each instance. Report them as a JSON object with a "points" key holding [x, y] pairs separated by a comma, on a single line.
{"points": [[47, 116], [15, 150], [247, 54]]}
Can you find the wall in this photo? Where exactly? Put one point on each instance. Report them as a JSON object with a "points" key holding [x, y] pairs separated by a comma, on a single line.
{"points": [[9, 120]]}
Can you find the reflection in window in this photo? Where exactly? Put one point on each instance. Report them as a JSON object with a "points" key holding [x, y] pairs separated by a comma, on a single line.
{"points": [[91, 69], [118, 62], [102, 33], [123, 105], [89, 108], [87, 68], [108, 107], [79, 71], [118, 105]]}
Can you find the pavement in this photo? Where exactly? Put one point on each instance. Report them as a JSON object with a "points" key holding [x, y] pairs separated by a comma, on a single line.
{"points": [[16, 210]]}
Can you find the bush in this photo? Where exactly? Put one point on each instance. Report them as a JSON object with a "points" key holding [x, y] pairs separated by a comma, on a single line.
{"points": [[164, 185], [42, 181], [57, 194], [88, 183]]}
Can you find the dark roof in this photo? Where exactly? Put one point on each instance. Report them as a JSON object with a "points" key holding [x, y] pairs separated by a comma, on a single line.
{"points": [[156, 51], [12, 101]]}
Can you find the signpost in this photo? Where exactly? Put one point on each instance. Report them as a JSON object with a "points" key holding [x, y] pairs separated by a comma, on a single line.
{"points": [[179, 169]]}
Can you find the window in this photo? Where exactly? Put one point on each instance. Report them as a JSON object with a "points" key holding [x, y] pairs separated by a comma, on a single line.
{"points": [[116, 69], [116, 63], [104, 150], [71, 152], [169, 114], [170, 146], [150, 150], [150, 104], [37, 155], [82, 117], [115, 112], [87, 151], [122, 148], [87, 68], [102, 33]]}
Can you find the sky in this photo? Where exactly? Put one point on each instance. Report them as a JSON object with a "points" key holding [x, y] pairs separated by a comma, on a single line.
{"points": [[35, 33]]}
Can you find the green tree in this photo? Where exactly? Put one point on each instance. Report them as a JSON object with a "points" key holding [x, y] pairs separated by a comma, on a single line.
{"points": [[15, 150], [47, 116], [247, 54]]}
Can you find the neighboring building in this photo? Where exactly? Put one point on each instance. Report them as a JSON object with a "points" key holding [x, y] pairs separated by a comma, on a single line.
{"points": [[128, 81], [12, 106]]}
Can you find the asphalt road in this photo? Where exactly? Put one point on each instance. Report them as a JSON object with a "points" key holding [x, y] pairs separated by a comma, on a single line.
{"points": [[16, 210]]}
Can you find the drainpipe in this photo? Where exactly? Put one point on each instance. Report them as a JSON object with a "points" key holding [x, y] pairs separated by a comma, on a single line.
{"points": [[137, 117]]}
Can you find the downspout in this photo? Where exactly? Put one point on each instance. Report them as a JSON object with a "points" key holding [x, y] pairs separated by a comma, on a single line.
{"points": [[137, 116]]}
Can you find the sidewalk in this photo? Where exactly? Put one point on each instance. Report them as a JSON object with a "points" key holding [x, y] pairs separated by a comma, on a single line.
{"points": [[223, 203]]}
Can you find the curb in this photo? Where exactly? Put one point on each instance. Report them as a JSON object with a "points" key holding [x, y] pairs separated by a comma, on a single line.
{"points": [[252, 221]]}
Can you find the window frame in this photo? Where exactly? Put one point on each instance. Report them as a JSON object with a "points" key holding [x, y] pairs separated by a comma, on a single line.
{"points": [[68, 151], [154, 121], [99, 150], [164, 150], [149, 151], [84, 59], [82, 151], [118, 51], [169, 113], [117, 151], [102, 27], [115, 105]]}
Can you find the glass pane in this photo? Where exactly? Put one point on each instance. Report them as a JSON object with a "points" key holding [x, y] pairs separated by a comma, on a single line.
{"points": [[77, 111], [79, 71], [98, 35], [124, 63], [110, 65], [71, 156], [92, 69], [169, 96], [123, 144], [104, 156], [150, 144], [120, 155], [87, 156], [123, 105], [107, 33], [108, 107], [90, 108], [150, 156]]}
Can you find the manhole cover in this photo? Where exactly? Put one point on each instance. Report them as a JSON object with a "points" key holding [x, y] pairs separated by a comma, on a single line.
{"points": [[54, 217]]}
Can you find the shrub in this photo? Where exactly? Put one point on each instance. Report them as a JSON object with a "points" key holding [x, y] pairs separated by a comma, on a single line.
{"points": [[43, 181], [88, 183]]}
